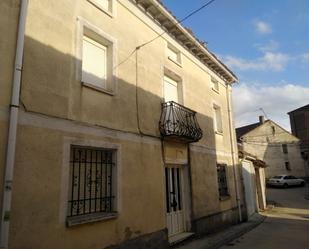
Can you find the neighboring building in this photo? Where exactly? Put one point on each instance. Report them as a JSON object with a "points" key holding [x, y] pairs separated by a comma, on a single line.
{"points": [[119, 144], [253, 175], [299, 120], [278, 148]]}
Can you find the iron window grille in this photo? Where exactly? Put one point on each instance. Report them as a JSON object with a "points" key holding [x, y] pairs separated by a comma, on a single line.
{"points": [[91, 181], [285, 148], [222, 180]]}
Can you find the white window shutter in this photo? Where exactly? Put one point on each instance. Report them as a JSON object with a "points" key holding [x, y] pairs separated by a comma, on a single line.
{"points": [[170, 90], [94, 62]]}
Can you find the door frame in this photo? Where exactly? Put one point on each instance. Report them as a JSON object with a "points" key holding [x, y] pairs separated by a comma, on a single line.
{"points": [[186, 195]]}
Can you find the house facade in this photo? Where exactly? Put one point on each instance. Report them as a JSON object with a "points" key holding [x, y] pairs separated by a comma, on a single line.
{"points": [[124, 128], [253, 175], [278, 148], [299, 120]]}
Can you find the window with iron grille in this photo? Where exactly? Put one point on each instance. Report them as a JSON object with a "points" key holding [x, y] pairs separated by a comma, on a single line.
{"points": [[92, 181], [222, 180], [285, 148], [287, 166]]}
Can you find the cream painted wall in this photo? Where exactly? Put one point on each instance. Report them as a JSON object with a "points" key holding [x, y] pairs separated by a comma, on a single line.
{"points": [[56, 106]]}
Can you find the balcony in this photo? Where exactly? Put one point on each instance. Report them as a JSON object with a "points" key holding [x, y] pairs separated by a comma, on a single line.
{"points": [[178, 123]]}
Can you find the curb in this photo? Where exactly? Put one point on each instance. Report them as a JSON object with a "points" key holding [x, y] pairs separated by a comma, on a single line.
{"points": [[235, 235], [216, 240]]}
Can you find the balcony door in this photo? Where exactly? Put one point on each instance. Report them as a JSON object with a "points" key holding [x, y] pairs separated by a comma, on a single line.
{"points": [[170, 90]]}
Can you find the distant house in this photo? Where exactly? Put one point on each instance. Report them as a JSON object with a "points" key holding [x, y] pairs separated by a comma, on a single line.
{"points": [[278, 148], [299, 120]]}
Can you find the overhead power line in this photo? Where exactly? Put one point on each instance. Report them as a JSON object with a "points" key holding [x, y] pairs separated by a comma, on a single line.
{"points": [[158, 36], [178, 22]]}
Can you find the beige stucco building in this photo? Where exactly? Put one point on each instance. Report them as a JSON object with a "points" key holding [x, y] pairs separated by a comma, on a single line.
{"points": [[123, 140], [278, 148]]}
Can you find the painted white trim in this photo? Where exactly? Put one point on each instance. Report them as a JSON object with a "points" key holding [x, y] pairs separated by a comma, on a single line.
{"points": [[65, 171], [112, 43]]}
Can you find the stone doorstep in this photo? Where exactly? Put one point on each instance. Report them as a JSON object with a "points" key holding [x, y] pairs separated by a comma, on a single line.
{"points": [[179, 238], [216, 240]]}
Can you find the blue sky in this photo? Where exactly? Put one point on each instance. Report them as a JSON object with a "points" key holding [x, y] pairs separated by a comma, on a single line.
{"points": [[266, 43]]}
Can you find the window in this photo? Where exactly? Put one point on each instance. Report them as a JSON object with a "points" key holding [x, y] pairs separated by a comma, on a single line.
{"points": [[173, 54], [97, 56], [285, 148], [94, 63], [92, 182], [170, 90], [105, 5], [214, 85], [287, 166], [217, 119], [222, 180]]}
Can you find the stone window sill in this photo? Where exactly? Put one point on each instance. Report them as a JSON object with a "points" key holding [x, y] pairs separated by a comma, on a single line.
{"points": [[225, 198], [178, 63], [99, 89], [89, 218], [108, 12], [215, 90]]}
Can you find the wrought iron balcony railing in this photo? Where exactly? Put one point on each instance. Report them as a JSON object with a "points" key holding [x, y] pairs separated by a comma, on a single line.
{"points": [[179, 123]]}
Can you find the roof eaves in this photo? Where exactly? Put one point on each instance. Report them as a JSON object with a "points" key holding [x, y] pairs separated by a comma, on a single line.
{"points": [[185, 37]]}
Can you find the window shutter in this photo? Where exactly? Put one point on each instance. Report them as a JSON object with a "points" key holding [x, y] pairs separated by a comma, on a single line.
{"points": [[94, 62]]}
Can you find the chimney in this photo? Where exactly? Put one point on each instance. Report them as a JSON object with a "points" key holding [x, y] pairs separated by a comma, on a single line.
{"points": [[262, 119]]}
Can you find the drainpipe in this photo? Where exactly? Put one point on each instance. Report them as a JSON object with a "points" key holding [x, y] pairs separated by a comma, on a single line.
{"points": [[13, 120], [228, 94]]}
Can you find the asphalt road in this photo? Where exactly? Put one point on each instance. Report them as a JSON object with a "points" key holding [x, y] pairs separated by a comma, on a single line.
{"points": [[286, 225]]}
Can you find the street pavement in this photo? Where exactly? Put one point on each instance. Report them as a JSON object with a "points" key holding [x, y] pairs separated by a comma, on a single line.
{"points": [[286, 225]]}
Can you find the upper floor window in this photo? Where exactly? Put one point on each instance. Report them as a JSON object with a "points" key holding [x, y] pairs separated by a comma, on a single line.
{"points": [[94, 62], [217, 119], [285, 148], [214, 85], [97, 58], [173, 54], [105, 5], [171, 90]]}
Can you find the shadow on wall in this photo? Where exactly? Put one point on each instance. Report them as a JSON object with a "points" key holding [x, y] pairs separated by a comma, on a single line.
{"points": [[51, 85]]}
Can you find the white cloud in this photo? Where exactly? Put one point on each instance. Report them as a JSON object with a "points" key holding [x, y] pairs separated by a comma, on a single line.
{"points": [[272, 45], [305, 57], [262, 27], [276, 100], [268, 62]]}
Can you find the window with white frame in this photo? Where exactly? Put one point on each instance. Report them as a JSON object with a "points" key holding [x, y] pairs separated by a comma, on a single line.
{"points": [[214, 85], [173, 54], [97, 61], [105, 5], [92, 181], [217, 119]]}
